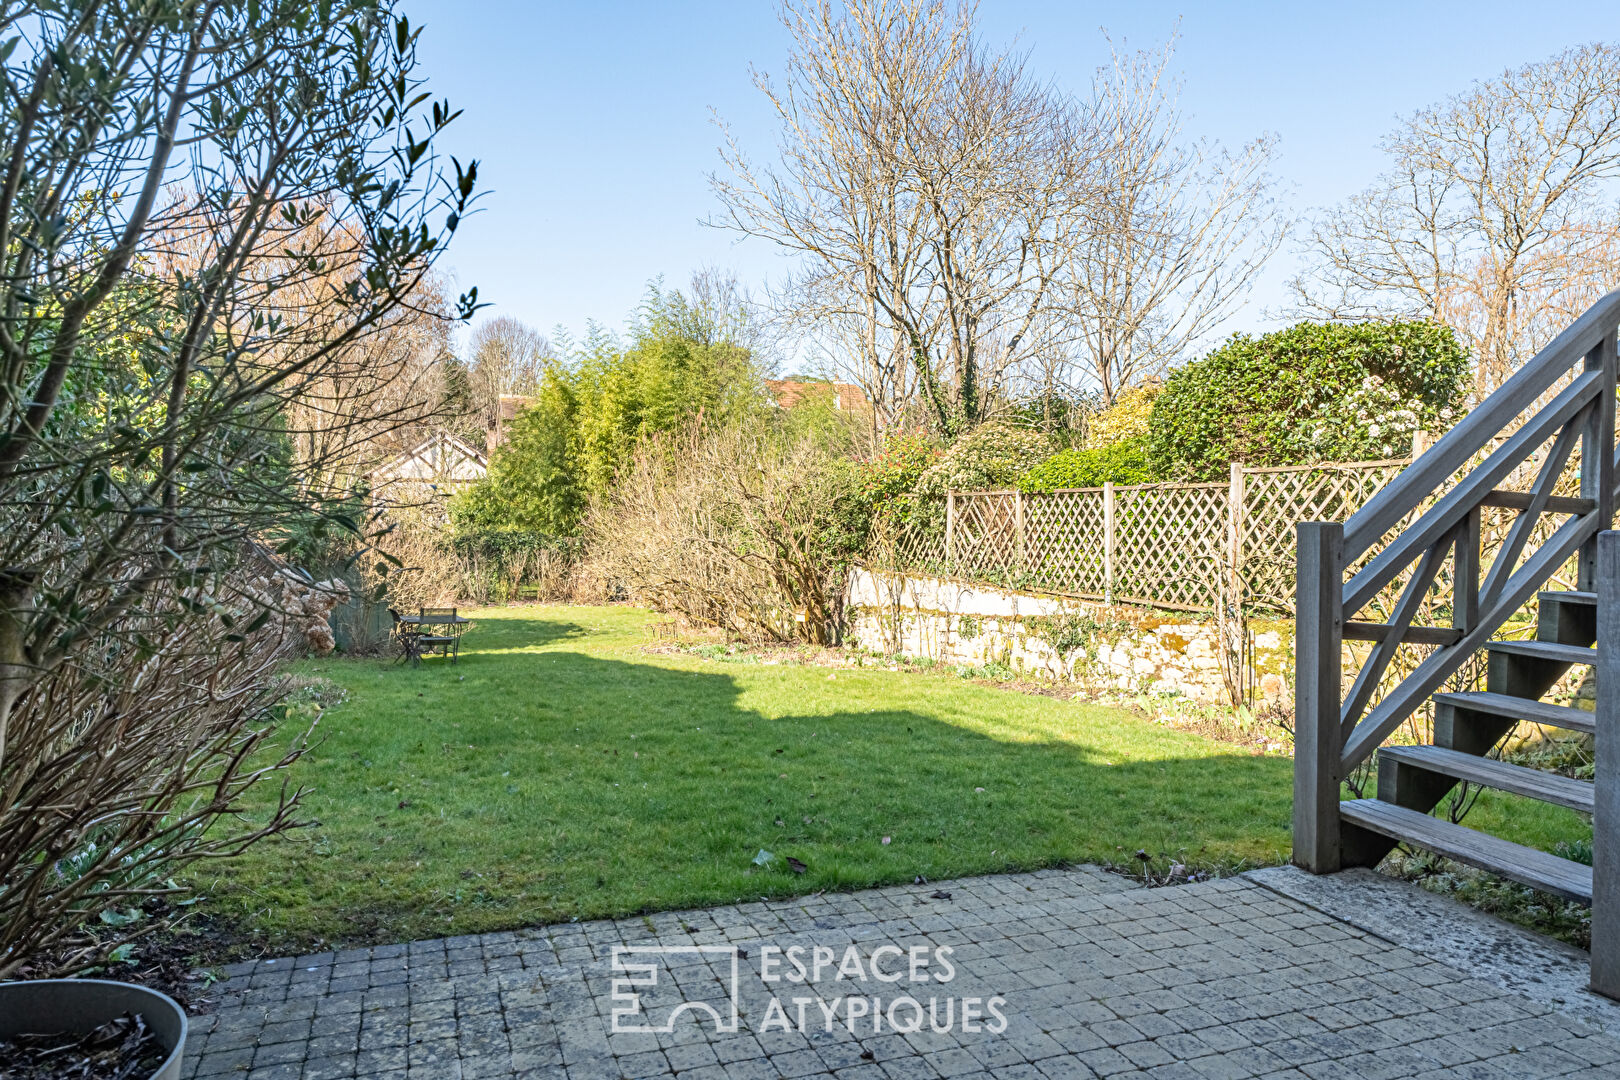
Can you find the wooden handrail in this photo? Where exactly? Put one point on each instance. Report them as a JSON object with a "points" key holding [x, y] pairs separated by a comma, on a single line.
{"points": [[1459, 501], [1454, 449]]}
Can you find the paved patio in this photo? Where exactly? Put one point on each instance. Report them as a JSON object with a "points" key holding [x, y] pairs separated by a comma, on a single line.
{"points": [[1223, 979]]}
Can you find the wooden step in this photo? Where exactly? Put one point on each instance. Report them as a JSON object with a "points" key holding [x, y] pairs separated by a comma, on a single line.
{"points": [[1568, 596], [1488, 772], [1515, 708], [1537, 869], [1545, 650]]}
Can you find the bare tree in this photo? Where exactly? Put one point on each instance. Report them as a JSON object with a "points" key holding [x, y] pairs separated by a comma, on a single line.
{"points": [[505, 357], [379, 395], [722, 311], [934, 188], [1179, 228], [1495, 216]]}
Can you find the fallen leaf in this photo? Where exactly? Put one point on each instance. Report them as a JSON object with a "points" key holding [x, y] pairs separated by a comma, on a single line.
{"points": [[885, 839], [939, 894], [796, 866], [763, 857]]}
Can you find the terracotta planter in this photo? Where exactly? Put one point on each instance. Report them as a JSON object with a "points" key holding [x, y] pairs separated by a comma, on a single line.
{"points": [[49, 1005]]}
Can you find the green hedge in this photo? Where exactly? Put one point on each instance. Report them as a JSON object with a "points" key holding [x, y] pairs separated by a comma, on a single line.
{"points": [[1334, 392], [1119, 463]]}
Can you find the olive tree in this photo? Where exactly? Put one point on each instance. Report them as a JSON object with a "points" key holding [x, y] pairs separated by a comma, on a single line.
{"points": [[207, 208]]}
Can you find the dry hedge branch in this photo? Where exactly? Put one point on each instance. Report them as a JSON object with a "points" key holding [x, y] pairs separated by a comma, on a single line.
{"points": [[736, 529]]}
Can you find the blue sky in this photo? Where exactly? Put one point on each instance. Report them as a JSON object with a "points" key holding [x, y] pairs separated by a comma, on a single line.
{"points": [[593, 124]]}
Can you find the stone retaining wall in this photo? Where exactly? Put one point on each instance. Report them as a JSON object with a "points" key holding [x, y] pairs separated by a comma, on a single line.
{"points": [[1115, 647]]}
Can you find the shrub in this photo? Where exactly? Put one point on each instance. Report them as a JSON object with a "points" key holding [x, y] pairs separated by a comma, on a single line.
{"points": [[199, 344], [1126, 420], [885, 484], [1118, 463], [593, 408], [1310, 393], [470, 563], [742, 528], [129, 763], [994, 456], [534, 483]]}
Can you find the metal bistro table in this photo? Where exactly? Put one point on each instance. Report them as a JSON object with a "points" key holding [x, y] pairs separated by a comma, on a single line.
{"points": [[430, 629]]}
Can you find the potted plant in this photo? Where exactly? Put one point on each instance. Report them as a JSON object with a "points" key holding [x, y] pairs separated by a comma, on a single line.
{"points": [[82, 1006]]}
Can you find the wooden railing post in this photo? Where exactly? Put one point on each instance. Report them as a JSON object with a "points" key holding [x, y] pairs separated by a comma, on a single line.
{"points": [[1597, 452], [1606, 791], [1465, 574], [1318, 739], [950, 529], [1108, 541]]}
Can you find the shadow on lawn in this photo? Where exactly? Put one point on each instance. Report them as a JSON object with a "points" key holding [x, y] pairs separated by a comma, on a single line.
{"points": [[559, 784], [504, 635]]}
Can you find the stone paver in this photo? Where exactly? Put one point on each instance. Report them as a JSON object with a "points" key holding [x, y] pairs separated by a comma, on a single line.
{"points": [[1094, 978]]}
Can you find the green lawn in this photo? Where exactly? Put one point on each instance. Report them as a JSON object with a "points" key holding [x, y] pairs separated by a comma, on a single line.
{"points": [[560, 771]]}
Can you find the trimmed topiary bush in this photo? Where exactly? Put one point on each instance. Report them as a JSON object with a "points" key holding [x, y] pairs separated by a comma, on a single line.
{"points": [[1333, 392]]}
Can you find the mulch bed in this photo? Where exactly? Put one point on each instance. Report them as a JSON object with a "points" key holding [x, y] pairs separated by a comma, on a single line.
{"points": [[121, 1049], [167, 961]]}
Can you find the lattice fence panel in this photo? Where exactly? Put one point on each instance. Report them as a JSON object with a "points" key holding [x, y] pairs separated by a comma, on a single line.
{"points": [[908, 537], [1065, 542], [985, 540], [1170, 544], [1275, 500]]}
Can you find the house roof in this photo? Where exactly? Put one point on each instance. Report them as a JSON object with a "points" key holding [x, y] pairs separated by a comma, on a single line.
{"points": [[439, 458], [789, 392], [512, 404]]}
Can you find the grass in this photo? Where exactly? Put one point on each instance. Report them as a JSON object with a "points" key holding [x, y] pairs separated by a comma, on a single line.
{"points": [[560, 771]]}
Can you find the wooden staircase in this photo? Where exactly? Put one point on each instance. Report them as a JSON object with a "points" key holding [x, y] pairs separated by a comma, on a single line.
{"points": [[1424, 522], [1412, 780]]}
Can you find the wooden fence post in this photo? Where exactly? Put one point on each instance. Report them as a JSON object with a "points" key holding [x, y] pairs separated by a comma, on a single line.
{"points": [[1318, 739], [1606, 789], [1018, 526], [1235, 496], [950, 528], [1108, 542]]}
